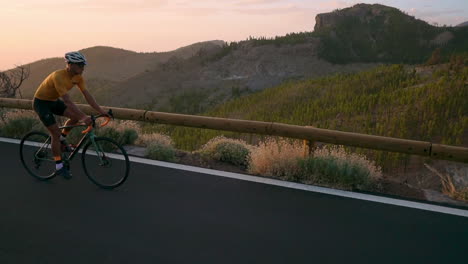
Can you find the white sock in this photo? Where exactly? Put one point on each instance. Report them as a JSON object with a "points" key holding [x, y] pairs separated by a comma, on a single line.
{"points": [[58, 166]]}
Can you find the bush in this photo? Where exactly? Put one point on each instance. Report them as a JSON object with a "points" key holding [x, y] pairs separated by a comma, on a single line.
{"points": [[233, 153], [334, 166], [158, 146], [331, 171], [109, 132], [126, 136], [17, 128], [147, 139], [278, 158], [17, 123], [227, 150], [158, 151]]}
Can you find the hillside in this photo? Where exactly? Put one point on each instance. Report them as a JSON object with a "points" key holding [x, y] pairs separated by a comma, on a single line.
{"points": [[108, 66], [199, 83], [420, 103]]}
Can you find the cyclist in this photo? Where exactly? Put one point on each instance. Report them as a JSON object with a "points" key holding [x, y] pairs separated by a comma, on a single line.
{"points": [[47, 102]]}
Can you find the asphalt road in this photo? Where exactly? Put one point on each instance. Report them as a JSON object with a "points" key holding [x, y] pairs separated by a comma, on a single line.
{"points": [[163, 215]]}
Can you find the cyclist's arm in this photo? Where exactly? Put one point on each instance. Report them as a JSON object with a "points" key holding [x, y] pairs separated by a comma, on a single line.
{"points": [[90, 99]]}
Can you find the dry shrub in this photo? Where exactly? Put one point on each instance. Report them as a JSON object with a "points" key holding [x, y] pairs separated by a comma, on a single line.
{"points": [[158, 146], [233, 151], [18, 114], [277, 158], [158, 151], [17, 123], [342, 157], [334, 167], [121, 125], [147, 139], [124, 131]]}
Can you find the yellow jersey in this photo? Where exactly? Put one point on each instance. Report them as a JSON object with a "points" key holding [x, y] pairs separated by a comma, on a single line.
{"points": [[58, 84]]}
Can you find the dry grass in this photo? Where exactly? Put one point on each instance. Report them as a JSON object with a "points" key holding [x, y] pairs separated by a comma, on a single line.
{"points": [[278, 158], [121, 125], [16, 123], [147, 139], [448, 187], [17, 114]]}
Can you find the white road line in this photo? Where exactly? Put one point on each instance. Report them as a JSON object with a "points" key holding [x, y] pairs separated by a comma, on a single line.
{"points": [[292, 185]]}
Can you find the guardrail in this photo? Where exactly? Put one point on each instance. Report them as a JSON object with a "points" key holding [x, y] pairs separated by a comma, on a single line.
{"points": [[413, 147]]}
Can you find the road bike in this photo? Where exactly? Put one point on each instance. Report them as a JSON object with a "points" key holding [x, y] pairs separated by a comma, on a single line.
{"points": [[104, 161]]}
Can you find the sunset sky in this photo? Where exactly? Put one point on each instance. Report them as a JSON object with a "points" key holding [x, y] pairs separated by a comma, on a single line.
{"points": [[33, 30]]}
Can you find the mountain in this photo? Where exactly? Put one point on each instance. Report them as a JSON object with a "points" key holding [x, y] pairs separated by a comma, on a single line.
{"points": [[370, 33], [108, 66], [464, 24]]}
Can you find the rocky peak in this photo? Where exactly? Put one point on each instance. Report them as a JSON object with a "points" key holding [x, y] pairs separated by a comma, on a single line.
{"points": [[362, 11]]}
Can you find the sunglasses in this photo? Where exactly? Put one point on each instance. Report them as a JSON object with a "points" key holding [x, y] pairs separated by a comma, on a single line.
{"points": [[81, 64]]}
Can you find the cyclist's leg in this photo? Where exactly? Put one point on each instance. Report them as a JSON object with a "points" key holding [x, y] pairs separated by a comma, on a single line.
{"points": [[44, 109], [74, 117], [54, 132], [62, 110], [72, 120], [60, 168]]}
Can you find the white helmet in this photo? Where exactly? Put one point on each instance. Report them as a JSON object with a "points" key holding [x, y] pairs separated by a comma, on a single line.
{"points": [[75, 57]]}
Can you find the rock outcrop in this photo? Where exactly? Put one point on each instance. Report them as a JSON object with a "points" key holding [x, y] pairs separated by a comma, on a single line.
{"points": [[362, 11]]}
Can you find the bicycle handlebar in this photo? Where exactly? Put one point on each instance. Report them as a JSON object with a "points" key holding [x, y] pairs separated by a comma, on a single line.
{"points": [[108, 117]]}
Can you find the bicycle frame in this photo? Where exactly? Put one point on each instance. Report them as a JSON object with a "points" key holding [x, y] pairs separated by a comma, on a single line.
{"points": [[88, 134]]}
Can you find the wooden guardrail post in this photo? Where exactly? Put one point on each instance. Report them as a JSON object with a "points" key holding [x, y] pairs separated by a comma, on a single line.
{"points": [[308, 146]]}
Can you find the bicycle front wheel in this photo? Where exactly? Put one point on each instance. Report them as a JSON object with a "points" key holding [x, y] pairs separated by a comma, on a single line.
{"points": [[36, 155], [105, 162]]}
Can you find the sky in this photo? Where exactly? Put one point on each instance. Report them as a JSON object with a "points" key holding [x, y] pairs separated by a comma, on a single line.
{"points": [[39, 29]]}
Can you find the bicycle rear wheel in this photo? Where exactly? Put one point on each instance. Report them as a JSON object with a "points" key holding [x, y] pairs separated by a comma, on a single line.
{"points": [[105, 162], [36, 155]]}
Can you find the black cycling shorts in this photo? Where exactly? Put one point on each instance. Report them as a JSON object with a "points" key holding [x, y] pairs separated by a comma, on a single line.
{"points": [[47, 109]]}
